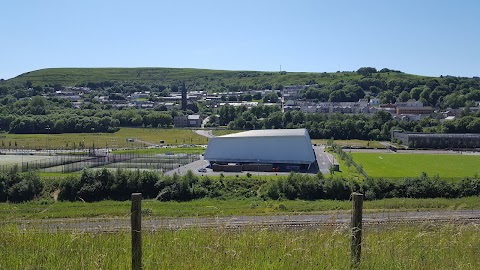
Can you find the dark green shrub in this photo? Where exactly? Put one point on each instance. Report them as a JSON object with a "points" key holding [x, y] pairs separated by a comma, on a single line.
{"points": [[29, 187], [469, 187]]}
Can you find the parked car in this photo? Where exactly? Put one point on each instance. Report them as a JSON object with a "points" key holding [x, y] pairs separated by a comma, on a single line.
{"points": [[202, 170]]}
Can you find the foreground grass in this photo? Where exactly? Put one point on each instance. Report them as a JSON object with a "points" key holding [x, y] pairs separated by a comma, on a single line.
{"points": [[406, 247], [411, 165], [213, 207], [102, 140]]}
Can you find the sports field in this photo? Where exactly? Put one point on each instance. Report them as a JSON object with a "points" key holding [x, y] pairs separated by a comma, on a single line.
{"points": [[352, 143], [18, 159], [118, 139], [403, 165]]}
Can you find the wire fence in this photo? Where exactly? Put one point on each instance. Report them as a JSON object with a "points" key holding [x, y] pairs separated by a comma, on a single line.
{"points": [[74, 163], [45, 162], [242, 242]]}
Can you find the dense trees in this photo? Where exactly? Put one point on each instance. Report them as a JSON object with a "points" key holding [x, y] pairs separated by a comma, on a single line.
{"points": [[366, 71], [60, 123], [86, 120], [17, 187], [431, 91], [338, 126]]}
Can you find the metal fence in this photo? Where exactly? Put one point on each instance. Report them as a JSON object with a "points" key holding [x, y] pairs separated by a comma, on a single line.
{"points": [[241, 242], [73, 163]]}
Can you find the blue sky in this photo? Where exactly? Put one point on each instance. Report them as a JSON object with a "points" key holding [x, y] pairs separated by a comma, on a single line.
{"points": [[420, 37]]}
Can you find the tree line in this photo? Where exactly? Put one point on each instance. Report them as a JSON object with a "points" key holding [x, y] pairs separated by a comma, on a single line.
{"points": [[39, 115], [338, 126], [443, 92]]}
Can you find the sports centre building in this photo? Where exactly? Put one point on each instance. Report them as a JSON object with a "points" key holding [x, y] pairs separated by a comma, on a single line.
{"points": [[262, 150], [438, 140]]}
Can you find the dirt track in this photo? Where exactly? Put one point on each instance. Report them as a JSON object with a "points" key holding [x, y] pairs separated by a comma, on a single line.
{"points": [[239, 222]]}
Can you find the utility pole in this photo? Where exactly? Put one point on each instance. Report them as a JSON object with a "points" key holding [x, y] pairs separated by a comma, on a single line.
{"points": [[47, 128]]}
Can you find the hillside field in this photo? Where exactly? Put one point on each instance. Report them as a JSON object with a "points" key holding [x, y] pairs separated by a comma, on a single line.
{"points": [[110, 140], [202, 78], [411, 165]]}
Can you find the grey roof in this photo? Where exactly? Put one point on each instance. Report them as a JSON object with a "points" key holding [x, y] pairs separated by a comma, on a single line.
{"points": [[262, 146], [194, 117]]}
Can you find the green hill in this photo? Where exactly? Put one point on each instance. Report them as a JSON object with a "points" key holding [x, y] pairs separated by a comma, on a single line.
{"points": [[200, 77]]}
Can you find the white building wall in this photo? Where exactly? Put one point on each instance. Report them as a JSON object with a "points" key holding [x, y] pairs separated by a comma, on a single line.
{"points": [[294, 149]]}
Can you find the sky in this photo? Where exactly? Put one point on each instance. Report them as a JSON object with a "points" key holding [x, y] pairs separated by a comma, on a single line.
{"points": [[424, 37]]}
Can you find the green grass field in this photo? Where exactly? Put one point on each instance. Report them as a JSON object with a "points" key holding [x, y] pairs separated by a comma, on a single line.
{"points": [[427, 247], [347, 172], [352, 143], [119, 139], [102, 140], [411, 165], [152, 151], [220, 132]]}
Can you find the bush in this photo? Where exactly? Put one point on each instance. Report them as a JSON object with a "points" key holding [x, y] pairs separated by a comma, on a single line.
{"points": [[20, 187], [28, 188], [469, 187]]}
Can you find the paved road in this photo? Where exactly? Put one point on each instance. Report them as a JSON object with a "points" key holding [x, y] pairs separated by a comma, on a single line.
{"points": [[144, 142], [324, 159], [205, 121], [193, 166], [205, 133], [340, 218]]}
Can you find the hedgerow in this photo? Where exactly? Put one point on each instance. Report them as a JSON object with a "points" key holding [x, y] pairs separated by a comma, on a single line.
{"points": [[96, 185]]}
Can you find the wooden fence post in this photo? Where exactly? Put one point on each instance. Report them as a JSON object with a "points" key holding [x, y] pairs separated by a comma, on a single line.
{"points": [[356, 237], [136, 221]]}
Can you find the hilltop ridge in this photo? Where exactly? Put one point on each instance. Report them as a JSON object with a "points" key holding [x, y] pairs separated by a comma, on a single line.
{"points": [[205, 77]]}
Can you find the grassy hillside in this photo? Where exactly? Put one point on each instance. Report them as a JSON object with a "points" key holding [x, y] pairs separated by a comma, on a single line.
{"points": [[201, 77]]}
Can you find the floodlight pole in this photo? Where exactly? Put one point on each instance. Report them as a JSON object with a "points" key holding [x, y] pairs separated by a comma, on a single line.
{"points": [[47, 128]]}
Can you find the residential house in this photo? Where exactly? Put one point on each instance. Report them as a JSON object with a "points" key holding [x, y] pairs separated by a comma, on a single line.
{"points": [[187, 121]]}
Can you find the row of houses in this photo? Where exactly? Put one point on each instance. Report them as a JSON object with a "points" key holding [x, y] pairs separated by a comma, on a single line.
{"points": [[291, 99], [409, 110]]}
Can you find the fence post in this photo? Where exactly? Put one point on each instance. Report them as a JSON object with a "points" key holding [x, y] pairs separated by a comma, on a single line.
{"points": [[136, 221], [356, 225]]}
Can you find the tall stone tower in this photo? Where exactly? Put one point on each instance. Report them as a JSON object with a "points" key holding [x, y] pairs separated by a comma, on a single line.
{"points": [[184, 97]]}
